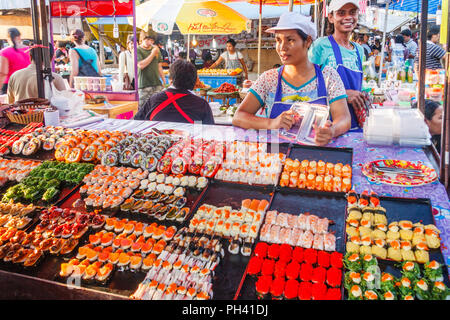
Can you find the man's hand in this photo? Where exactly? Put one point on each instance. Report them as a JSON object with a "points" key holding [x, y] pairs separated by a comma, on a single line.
{"points": [[284, 120], [355, 98], [324, 134]]}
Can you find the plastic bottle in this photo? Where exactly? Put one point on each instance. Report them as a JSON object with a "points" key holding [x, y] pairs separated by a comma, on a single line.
{"points": [[410, 75]]}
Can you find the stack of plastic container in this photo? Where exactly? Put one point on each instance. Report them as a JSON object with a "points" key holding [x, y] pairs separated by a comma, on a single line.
{"points": [[404, 127]]}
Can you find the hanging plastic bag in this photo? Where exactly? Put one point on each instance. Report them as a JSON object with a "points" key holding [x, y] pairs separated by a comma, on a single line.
{"points": [[68, 102]]}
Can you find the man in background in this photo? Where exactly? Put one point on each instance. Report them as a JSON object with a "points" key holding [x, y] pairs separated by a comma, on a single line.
{"points": [[410, 44], [434, 51], [150, 72]]}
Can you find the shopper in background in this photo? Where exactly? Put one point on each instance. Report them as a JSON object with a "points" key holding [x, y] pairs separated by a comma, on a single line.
{"points": [[150, 71], [126, 65], [364, 42], [83, 58], [232, 58], [164, 55], [410, 45], [434, 51], [23, 83], [61, 55], [12, 58], [177, 103], [398, 51], [338, 52], [433, 119]]}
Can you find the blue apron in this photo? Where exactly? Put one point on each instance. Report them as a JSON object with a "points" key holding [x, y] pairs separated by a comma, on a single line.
{"points": [[279, 106], [352, 79]]}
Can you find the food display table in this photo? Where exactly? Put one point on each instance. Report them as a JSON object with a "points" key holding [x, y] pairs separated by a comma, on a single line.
{"points": [[124, 109], [229, 280]]}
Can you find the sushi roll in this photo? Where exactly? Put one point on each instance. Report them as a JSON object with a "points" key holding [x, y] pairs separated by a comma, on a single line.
{"points": [[304, 290], [334, 276], [319, 275], [352, 262], [310, 256], [433, 271], [246, 248], [263, 286], [273, 251], [371, 295], [234, 245], [292, 270], [355, 293], [254, 266], [318, 291], [422, 256], [277, 288]]}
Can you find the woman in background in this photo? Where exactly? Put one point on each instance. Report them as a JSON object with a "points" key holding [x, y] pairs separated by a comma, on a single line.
{"points": [[233, 59], [126, 64], [81, 54], [433, 119], [12, 58]]}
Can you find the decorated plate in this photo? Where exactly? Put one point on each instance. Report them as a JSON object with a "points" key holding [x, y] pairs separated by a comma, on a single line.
{"points": [[428, 174]]}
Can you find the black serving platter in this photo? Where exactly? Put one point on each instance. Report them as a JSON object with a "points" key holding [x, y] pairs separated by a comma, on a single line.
{"points": [[415, 210], [229, 272], [321, 204]]}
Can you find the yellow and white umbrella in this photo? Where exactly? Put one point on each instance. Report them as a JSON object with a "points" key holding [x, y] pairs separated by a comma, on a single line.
{"points": [[191, 17]]}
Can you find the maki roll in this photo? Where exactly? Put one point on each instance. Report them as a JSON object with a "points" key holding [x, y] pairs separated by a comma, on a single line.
{"points": [[323, 259], [285, 252], [389, 295], [273, 251], [254, 266], [410, 270], [352, 261], [387, 282], [368, 260], [319, 275], [292, 270], [336, 260], [318, 291], [268, 267], [333, 294], [277, 288], [280, 269], [439, 291], [433, 271], [310, 256], [334, 277], [355, 293], [297, 254], [261, 249], [371, 295], [304, 290], [246, 249], [421, 288], [263, 286], [351, 278], [306, 271], [137, 159]]}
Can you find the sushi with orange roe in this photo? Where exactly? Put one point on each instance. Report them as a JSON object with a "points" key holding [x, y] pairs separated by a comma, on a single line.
{"points": [[277, 288], [66, 270], [333, 294], [334, 277], [318, 275], [245, 206], [306, 271], [254, 266], [292, 270], [304, 290], [263, 286], [291, 289], [364, 199], [318, 291]]}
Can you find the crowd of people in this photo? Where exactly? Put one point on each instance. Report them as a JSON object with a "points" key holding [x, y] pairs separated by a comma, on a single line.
{"points": [[325, 71]]}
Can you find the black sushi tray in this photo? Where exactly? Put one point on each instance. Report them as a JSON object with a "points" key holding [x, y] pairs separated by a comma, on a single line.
{"points": [[326, 154], [414, 210], [228, 273], [322, 204], [40, 155]]}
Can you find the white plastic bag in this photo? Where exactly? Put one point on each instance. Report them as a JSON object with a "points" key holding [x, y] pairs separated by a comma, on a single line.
{"points": [[68, 102]]}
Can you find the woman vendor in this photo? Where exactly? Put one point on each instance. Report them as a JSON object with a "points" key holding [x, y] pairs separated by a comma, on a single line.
{"points": [[345, 56], [267, 107], [233, 58]]}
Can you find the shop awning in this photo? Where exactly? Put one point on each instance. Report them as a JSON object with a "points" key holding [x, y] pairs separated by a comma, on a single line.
{"points": [[412, 5]]}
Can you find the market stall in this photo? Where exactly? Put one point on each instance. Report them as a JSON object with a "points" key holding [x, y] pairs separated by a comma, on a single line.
{"points": [[106, 86], [241, 227]]}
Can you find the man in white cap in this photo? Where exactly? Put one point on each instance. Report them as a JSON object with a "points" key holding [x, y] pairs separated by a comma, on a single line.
{"points": [[339, 52], [268, 104]]}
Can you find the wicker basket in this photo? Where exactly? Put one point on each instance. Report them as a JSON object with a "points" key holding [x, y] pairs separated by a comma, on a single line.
{"points": [[34, 107]]}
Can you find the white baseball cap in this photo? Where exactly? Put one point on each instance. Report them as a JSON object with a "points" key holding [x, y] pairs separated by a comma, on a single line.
{"points": [[294, 20], [337, 4]]}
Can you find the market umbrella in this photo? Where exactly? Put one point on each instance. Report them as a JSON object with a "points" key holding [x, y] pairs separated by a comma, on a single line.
{"points": [[273, 3], [191, 17]]}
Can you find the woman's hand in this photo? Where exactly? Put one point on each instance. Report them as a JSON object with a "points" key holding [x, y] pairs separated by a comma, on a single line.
{"points": [[355, 98], [284, 120], [324, 134]]}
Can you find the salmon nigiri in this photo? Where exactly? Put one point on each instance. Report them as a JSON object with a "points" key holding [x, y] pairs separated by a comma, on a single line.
{"points": [[254, 205], [263, 206], [246, 205]]}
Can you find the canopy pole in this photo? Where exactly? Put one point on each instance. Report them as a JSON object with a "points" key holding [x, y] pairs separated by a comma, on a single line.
{"points": [[291, 5], [445, 136], [422, 56], [322, 28], [383, 44], [37, 40], [260, 37], [188, 47]]}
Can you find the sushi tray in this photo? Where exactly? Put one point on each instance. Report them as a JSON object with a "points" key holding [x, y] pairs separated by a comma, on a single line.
{"points": [[406, 238], [318, 168], [40, 155], [228, 273], [293, 204]]}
